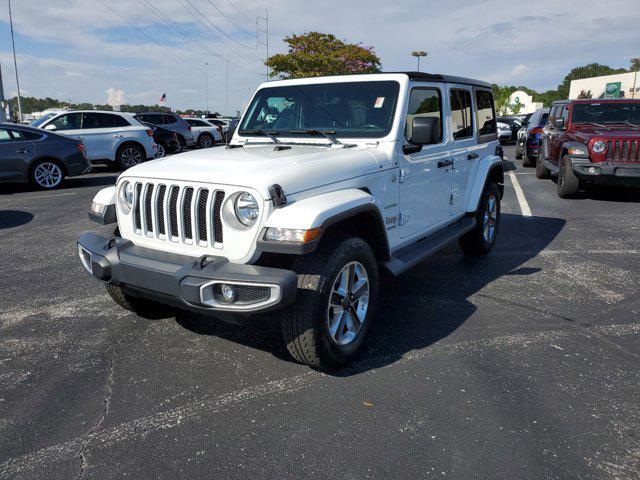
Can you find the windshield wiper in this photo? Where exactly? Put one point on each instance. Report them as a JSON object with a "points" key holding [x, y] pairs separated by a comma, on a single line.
{"points": [[328, 134], [267, 133], [635, 125]]}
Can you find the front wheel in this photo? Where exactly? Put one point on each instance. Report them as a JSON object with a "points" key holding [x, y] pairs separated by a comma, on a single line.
{"points": [[337, 294], [205, 141], [139, 306], [481, 239], [46, 175], [568, 182]]}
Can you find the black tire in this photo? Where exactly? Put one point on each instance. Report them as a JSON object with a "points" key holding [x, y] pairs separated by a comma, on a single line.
{"points": [[568, 182], [518, 153], [526, 161], [542, 172], [164, 148], [305, 324], [129, 155], [475, 243], [206, 140], [46, 174], [142, 307]]}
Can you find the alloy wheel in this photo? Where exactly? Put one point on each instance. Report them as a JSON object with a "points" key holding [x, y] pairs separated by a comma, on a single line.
{"points": [[161, 152], [348, 303], [48, 175], [206, 141], [490, 219], [130, 157]]}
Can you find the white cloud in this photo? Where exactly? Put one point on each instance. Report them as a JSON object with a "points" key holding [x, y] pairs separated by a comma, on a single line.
{"points": [[520, 70], [115, 97]]}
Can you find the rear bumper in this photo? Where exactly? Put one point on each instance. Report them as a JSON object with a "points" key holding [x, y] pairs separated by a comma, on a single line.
{"points": [[77, 164], [189, 283], [606, 173]]}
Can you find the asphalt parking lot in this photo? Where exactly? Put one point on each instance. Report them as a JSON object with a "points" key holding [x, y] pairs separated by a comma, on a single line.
{"points": [[523, 364]]}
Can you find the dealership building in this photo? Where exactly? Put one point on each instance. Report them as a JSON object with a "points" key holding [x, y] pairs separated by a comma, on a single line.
{"points": [[620, 85]]}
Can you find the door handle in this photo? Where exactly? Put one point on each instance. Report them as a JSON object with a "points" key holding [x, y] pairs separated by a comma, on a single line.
{"points": [[22, 150], [472, 156], [446, 163]]}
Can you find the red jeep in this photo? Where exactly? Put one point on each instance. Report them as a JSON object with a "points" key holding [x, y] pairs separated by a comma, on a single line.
{"points": [[591, 142]]}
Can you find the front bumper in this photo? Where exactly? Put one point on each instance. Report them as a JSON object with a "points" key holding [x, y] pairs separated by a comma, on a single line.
{"points": [[189, 283], [606, 173]]}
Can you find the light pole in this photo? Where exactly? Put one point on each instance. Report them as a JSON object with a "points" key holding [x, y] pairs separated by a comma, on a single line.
{"points": [[418, 54], [226, 87], [206, 87], [635, 61], [15, 65]]}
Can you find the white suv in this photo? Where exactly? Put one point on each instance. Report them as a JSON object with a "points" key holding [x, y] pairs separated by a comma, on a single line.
{"points": [[325, 182], [108, 136], [205, 133]]}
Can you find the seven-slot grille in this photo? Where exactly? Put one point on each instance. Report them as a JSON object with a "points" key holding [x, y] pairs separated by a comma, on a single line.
{"points": [[623, 151], [184, 214]]}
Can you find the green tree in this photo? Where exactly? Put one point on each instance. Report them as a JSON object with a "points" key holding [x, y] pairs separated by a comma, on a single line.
{"points": [[315, 54], [501, 94], [635, 65], [585, 94]]}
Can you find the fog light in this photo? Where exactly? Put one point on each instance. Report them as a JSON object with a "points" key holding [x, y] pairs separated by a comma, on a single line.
{"points": [[228, 293], [593, 170]]}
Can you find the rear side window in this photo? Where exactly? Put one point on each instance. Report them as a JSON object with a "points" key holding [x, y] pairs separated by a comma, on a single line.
{"points": [[103, 120], [424, 102], [4, 136], [461, 120], [486, 115], [543, 119], [168, 119], [151, 118], [69, 121]]}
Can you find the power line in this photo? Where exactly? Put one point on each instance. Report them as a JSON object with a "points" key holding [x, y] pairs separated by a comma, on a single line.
{"points": [[238, 10], [148, 36], [231, 21], [184, 33]]}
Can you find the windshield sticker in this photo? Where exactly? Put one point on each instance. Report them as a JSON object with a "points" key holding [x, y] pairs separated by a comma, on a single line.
{"points": [[379, 102]]}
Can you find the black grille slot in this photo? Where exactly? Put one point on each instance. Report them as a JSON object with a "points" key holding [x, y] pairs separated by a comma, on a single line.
{"points": [[202, 215], [217, 217], [616, 151], [147, 208], [625, 151], [173, 211], [137, 206], [609, 150], [162, 189], [186, 212]]}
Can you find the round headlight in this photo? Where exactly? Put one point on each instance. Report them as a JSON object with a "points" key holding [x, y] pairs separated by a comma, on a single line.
{"points": [[599, 146], [246, 209], [126, 196]]}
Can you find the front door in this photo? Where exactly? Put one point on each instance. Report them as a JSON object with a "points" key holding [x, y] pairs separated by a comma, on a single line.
{"points": [[424, 175], [13, 156], [463, 146]]}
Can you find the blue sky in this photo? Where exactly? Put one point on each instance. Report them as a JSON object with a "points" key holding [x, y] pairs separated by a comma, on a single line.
{"points": [[80, 50]]}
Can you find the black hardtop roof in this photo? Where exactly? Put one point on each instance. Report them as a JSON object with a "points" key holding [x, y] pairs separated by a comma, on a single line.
{"points": [[437, 77]]}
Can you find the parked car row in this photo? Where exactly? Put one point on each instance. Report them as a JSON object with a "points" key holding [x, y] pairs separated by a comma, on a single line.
{"points": [[585, 143], [40, 154]]}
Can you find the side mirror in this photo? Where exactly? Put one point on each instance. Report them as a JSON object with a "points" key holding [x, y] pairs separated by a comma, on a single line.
{"points": [[425, 130], [50, 127], [559, 123]]}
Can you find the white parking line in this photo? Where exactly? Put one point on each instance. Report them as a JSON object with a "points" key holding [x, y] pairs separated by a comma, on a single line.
{"points": [[524, 206], [49, 195]]}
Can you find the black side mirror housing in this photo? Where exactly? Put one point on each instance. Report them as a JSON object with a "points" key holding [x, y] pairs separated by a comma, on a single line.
{"points": [[424, 131]]}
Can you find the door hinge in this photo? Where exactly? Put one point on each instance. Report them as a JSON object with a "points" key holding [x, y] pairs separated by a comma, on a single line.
{"points": [[403, 218], [403, 175]]}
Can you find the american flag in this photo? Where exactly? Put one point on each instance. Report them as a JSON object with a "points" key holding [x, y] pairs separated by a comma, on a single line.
{"points": [[163, 98]]}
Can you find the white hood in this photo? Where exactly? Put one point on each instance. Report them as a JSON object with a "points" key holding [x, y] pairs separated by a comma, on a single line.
{"points": [[296, 169]]}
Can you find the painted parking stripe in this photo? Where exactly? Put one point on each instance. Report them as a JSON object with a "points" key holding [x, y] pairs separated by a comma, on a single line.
{"points": [[522, 201], [49, 195]]}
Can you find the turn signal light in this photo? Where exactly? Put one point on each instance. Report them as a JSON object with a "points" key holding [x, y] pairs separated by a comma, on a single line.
{"points": [[150, 132]]}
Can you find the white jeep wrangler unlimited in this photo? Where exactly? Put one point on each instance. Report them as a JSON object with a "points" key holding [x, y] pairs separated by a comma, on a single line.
{"points": [[325, 182]]}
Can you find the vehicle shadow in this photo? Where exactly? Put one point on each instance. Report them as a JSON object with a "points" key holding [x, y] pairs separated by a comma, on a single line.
{"points": [[419, 308], [14, 218], [508, 165], [83, 181]]}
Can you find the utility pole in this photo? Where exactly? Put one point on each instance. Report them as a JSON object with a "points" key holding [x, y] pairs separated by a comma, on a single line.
{"points": [[206, 87], [3, 117], [265, 33], [226, 103], [15, 64], [418, 54]]}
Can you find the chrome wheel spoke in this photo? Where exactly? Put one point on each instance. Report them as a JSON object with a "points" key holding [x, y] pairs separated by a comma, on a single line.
{"points": [[348, 303]]}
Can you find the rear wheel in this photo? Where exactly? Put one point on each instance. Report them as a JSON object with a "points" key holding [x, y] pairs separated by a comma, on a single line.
{"points": [[46, 175], [542, 172], [129, 155], [206, 141], [568, 182], [337, 292], [162, 150], [518, 153], [480, 240]]}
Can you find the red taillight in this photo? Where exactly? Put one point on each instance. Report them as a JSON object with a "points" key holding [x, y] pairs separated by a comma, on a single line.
{"points": [[150, 132], [535, 131], [189, 128]]}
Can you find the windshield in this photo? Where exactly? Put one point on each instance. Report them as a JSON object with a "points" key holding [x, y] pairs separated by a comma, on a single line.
{"points": [[604, 113], [351, 109], [41, 120]]}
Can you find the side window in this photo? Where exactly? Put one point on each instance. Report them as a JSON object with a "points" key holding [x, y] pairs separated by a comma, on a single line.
{"points": [[17, 135], [565, 114], [168, 119], [424, 102], [5, 136], [461, 120], [117, 120], [543, 119], [486, 115], [69, 121], [92, 120], [558, 114]]}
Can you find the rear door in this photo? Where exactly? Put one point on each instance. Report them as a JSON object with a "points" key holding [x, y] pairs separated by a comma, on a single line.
{"points": [[98, 134], [424, 175], [463, 145]]}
